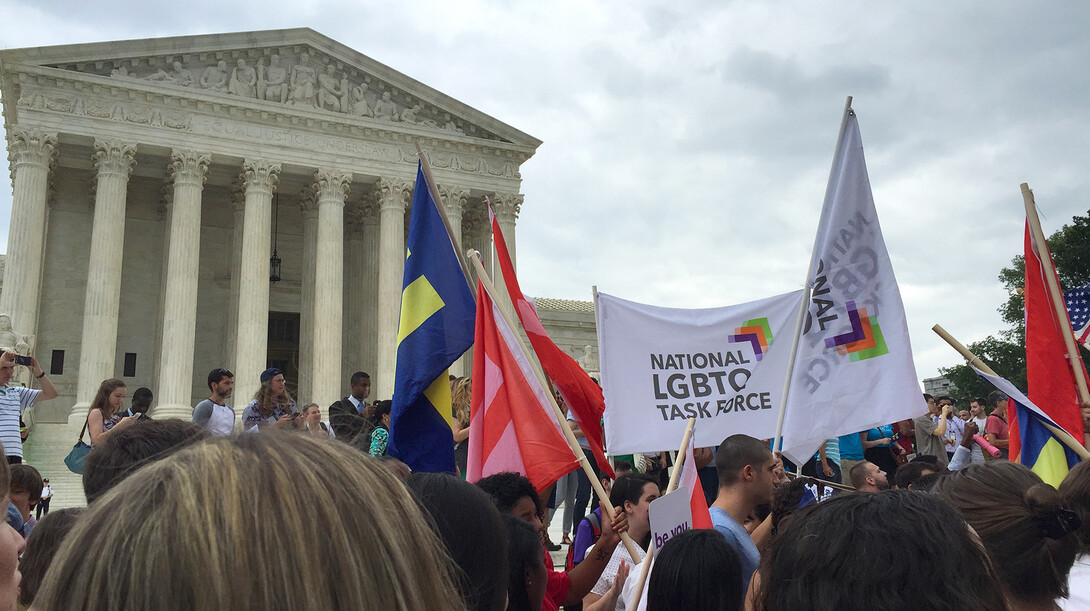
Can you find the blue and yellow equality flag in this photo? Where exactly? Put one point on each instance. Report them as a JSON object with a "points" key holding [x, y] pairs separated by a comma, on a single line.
{"points": [[438, 312], [1041, 448]]}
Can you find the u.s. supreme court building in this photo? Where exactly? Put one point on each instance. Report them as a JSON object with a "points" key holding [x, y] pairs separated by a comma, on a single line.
{"points": [[153, 180]]}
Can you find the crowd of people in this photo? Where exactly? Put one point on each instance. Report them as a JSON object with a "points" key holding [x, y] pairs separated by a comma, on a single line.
{"points": [[309, 514]]}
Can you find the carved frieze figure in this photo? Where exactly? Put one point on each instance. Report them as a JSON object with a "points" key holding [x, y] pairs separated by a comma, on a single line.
{"points": [[302, 82], [590, 359], [329, 90], [450, 126], [243, 80], [412, 117], [273, 81], [216, 77], [385, 108], [360, 107], [179, 76]]}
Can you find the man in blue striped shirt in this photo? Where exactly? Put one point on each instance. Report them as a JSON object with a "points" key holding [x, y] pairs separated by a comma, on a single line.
{"points": [[14, 400]]}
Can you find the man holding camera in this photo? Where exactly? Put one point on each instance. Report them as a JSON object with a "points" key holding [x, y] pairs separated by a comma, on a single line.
{"points": [[14, 400], [931, 429]]}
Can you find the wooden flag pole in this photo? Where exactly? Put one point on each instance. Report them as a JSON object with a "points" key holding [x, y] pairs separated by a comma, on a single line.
{"points": [[646, 568], [1074, 359], [455, 241], [777, 441], [565, 428], [1060, 434]]}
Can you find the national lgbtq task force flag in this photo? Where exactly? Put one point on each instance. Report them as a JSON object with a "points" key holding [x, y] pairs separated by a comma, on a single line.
{"points": [[1040, 449], [853, 368], [437, 316]]}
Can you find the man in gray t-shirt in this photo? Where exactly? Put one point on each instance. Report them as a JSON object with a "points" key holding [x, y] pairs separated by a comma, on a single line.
{"points": [[213, 414], [930, 433]]}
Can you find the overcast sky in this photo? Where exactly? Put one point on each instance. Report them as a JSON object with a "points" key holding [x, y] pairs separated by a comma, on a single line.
{"points": [[687, 144]]}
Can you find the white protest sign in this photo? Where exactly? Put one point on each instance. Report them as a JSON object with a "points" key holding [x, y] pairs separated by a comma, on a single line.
{"points": [[661, 366], [670, 515]]}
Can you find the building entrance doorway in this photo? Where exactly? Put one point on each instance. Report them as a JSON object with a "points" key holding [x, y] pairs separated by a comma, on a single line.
{"points": [[284, 347]]}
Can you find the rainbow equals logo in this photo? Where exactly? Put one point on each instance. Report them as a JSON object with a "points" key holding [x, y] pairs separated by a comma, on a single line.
{"points": [[865, 339], [757, 332]]}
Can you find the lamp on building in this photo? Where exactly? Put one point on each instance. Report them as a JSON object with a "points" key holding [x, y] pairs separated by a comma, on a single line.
{"points": [[274, 261]]}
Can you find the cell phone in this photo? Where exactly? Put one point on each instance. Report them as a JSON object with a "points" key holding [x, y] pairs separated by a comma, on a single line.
{"points": [[22, 360]]}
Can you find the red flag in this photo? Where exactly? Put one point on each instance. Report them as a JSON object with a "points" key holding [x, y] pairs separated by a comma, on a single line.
{"points": [[512, 426], [702, 517], [1050, 376], [580, 393]]}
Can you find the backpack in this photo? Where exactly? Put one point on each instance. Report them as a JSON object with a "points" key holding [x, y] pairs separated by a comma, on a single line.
{"points": [[595, 529]]}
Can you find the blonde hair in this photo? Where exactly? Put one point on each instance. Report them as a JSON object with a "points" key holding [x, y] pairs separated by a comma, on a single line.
{"points": [[219, 529], [267, 402], [460, 397]]}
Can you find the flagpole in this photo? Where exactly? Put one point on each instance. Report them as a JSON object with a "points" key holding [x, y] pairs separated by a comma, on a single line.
{"points": [[565, 428], [1074, 359], [455, 241], [1060, 434], [633, 603], [777, 441]]}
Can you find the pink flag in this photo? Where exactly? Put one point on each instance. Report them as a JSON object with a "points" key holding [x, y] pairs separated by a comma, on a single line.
{"points": [[702, 517], [512, 426]]}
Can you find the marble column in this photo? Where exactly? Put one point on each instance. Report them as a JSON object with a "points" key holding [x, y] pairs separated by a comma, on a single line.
{"points": [[230, 333], [259, 178], [32, 153], [331, 187], [113, 161], [355, 289], [454, 202], [506, 207], [369, 213], [394, 196], [190, 170], [308, 204]]}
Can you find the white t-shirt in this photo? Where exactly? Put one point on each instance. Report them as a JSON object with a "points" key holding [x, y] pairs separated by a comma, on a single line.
{"points": [[1078, 580], [605, 582]]}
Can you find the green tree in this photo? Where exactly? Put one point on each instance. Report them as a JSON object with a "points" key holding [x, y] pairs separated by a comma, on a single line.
{"points": [[1005, 352]]}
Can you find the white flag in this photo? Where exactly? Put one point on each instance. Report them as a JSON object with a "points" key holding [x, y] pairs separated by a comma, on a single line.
{"points": [[661, 366], [854, 366]]}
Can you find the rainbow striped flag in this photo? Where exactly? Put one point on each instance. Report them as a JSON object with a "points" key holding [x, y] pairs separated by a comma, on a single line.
{"points": [[1037, 445]]}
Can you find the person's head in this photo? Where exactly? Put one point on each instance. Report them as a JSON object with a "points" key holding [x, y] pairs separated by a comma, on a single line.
{"points": [[633, 493], [747, 466], [909, 473], [621, 467], [467, 522], [514, 494], [381, 415], [945, 401], [977, 407], [927, 482], [45, 481], [272, 392], [25, 489], [790, 497], [274, 60], [282, 509], [141, 399], [41, 546], [360, 385], [110, 394], [221, 382], [963, 414], [7, 370], [241, 63], [998, 401], [222, 64], [1076, 492], [867, 477], [11, 545], [386, 96], [312, 414], [126, 450], [460, 394], [5, 322], [526, 574], [898, 550], [696, 571], [1022, 521]]}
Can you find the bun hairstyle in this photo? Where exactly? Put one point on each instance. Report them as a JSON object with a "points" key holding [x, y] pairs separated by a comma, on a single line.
{"points": [[1024, 523], [1076, 492]]}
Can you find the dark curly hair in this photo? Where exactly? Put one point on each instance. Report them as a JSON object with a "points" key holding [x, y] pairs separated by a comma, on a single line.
{"points": [[507, 488], [826, 558]]}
